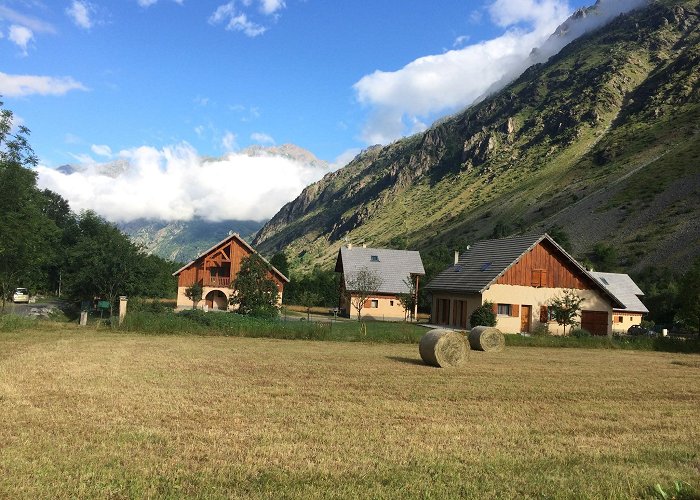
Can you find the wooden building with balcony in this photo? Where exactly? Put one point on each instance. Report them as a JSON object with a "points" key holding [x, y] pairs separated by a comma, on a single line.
{"points": [[216, 270]]}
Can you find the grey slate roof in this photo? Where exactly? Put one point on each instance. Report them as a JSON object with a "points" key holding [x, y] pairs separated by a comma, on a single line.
{"points": [[473, 274], [485, 261], [393, 266], [624, 288]]}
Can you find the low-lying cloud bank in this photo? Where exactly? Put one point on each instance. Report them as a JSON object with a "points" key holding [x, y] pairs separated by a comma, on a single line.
{"points": [[407, 100], [175, 183]]}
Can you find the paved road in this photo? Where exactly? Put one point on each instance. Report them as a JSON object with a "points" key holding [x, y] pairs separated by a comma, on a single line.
{"points": [[26, 310]]}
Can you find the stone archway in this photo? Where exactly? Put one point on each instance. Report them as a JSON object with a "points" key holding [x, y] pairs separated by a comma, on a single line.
{"points": [[216, 300]]}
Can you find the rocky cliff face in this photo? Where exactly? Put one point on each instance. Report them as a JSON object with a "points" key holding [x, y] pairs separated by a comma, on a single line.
{"points": [[601, 132]]}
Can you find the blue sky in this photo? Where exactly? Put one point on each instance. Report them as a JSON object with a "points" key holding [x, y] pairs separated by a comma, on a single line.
{"points": [[100, 80]]}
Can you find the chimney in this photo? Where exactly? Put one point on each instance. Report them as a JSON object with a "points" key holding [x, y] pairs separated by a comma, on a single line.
{"points": [[349, 246], [456, 257], [364, 245]]}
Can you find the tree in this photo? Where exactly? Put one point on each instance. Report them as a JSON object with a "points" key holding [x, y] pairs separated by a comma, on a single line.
{"points": [[28, 236], [689, 296], [566, 308], [409, 299], [103, 262], [561, 237], [194, 293], [256, 293], [322, 282], [279, 260], [308, 300], [361, 286], [605, 257], [483, 315]]}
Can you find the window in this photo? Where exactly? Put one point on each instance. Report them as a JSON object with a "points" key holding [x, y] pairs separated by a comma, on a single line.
{"points": [[620, 319], [486, 266], [374, 304], [504, 309], [374, 258], [391, 303], [539, 278]]}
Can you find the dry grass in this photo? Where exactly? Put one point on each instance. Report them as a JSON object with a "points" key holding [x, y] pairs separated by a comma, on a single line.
{"points": [[93, 414]]}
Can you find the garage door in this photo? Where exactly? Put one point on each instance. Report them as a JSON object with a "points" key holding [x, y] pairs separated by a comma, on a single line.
{"points": [[595, 322]]}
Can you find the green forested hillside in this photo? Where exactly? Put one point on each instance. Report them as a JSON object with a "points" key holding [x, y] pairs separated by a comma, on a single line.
{"points": [[600, 145]]}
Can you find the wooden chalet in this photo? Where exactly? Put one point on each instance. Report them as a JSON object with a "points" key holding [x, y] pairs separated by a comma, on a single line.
{"points": [[216, 270], [519, 276]]}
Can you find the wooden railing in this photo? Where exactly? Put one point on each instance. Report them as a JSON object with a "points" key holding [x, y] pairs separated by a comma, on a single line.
{"points": [[217, 281]]}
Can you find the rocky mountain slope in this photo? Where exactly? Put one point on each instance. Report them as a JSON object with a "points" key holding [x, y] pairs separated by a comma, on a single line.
{"points": [[602, 141], [182, 241]]}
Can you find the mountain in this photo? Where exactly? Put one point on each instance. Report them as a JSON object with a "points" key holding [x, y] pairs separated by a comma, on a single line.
{"points": [[182, 241], [600, 142]]}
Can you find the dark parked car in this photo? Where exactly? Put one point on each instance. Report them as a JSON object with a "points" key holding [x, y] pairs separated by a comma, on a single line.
{"points": [[640, 331]]}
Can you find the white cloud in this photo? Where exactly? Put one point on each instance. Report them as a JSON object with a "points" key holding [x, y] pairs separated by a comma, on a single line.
{"points": [[228, 142], [237, 16], [506, 13], [261, 138], [21, 36], [24, 85], [402, 101], [80, 12], [271, 6], [175, 183], [460, 41], [101, 150], [236, 20], [148, 3], [34, 24], [344, 158]]}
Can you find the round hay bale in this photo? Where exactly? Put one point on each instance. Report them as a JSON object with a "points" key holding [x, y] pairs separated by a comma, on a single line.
{"points": [[443, 348], [486, 338]]}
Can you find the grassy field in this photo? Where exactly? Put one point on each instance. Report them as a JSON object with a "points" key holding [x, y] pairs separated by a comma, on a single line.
{"points": [[118, 415]]}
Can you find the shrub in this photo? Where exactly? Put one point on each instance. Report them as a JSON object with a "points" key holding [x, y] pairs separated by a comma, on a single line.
{"points": [[541, 330], [580, 333], [483, 315]]}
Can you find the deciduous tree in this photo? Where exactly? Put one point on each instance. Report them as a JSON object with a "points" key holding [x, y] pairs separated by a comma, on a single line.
{"points": [[361, 286], [566, 308], [194, 293], [256, 293]]}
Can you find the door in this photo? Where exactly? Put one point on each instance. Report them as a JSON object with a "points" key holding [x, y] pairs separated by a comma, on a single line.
{"points": [[525, 316], [595, 322]]}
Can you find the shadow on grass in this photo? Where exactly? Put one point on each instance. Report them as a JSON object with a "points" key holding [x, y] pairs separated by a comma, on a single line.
{"points": [[408, 361]]}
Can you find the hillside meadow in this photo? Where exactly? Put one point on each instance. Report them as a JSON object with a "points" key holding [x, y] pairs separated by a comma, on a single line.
{"points": [[87, 413]]}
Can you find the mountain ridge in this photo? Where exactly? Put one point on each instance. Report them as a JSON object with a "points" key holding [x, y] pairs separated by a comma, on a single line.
{"points": [[620, 99]]}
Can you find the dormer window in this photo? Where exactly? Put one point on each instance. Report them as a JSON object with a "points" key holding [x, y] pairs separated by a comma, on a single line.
{"points": [[374, 258]]}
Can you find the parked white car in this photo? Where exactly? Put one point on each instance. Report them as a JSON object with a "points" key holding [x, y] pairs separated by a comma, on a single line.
{"points": [[20, 295]]}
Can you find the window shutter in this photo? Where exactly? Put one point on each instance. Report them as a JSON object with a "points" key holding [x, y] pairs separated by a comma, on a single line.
{"points": [[544, 317], [494, 307], [536, 277], [543, 277], [368, 303], [515, 310]]}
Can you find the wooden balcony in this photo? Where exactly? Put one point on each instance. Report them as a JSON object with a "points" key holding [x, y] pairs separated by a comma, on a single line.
{"points": [[220, 281]]}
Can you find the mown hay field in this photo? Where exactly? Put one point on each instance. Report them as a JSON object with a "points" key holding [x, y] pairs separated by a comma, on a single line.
{"points": [[93, 414]]}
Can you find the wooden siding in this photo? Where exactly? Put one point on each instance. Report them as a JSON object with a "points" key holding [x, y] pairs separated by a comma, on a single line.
{"points": [[544, 267], [225, 258]]}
